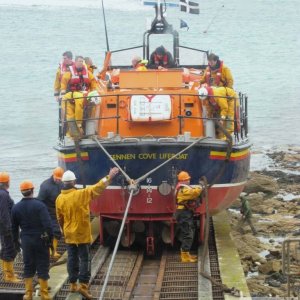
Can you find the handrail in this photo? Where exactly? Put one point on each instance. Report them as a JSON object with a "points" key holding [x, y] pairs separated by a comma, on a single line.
{"points": [[239, 133]]}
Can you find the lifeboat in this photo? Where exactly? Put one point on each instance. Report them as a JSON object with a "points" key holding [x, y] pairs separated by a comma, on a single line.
{"points": [[152, 125]]}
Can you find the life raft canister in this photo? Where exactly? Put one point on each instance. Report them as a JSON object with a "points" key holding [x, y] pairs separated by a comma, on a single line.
{"points": [[79, 79], [164, 59], [217, 78]]}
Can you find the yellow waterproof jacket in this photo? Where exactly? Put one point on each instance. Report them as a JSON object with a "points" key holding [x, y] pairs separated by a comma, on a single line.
{"points": [[226, 76], [73, 212], [67, 76], [186, 193], [57, 82], [226, 105]]}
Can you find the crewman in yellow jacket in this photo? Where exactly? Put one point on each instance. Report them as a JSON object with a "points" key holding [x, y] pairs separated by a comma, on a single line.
{"points": [[216, 73], [187, 200], [220, 102], [74, 86], [139, 64], [73, 215], [61, 70]]}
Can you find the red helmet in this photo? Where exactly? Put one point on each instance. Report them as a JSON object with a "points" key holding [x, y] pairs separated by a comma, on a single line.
{"points": [[26, 185], [4, 177], [182, 176]]}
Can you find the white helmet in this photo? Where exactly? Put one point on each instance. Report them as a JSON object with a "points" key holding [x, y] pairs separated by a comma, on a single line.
{"points": [[203, 93], [68, 176], [93, 97]]}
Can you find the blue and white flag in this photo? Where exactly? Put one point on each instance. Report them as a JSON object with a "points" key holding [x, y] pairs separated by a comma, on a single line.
{"points": [[184, 24], [189, 7]]}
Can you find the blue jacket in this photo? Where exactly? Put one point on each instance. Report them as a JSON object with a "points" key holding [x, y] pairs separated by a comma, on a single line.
{"points": [[6, 205], [49, 190], [32, 216]]}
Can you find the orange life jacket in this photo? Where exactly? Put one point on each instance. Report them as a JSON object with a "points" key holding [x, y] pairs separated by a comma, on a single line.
{"points": [[164, 60], [79, 80], [217, 79], [64, 68], [191, 204]]}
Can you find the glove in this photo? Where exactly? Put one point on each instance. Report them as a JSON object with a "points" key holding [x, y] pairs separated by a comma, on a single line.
{"points": [[47, 239], [202, 184]]}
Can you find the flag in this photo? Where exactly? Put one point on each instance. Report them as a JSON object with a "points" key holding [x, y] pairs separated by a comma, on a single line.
{"points": [[184, 24], [190, 7]]}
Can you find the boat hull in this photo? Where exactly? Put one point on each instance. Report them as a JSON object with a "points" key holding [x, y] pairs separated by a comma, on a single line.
{"points": [[155, 197]]}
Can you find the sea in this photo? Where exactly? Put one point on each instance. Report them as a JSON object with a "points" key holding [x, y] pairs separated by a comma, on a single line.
{"points": [[259, 40]]}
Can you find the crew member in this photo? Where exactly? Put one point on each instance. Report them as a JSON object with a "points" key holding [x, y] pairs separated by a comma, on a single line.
{"points": [[74, 84], [8, 249], [49, 190], [161, 58], [216, 73], [220, 102], [73, 214], [61, 70], [187, 200], [32, 216], [139, 64], [89, 63]]}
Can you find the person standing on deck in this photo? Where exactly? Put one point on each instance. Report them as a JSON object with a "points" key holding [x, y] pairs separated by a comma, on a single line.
{"points": [[161, 58], [187, 200], [49, 190], [139, 64], [74, 84], [9, 246], [61, 70], [31, 215], [220, 102], [216, 73], [73, 215]]}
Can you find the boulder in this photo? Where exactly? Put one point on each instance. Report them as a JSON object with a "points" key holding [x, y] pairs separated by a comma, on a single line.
{"points": [[261, 183], [270, 266]]}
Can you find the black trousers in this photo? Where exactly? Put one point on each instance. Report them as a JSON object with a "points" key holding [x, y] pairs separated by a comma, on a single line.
{"points": [[8, 251], [185, 222]]}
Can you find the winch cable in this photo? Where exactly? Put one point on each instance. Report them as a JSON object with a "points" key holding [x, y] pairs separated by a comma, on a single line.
{"points": [[112, 160], [233, 291], [79, 159], [132, 188], [133, 184], [116, 246]]}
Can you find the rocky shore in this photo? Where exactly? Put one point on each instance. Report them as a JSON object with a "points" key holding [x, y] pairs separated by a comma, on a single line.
{"points": [[274, 197]]}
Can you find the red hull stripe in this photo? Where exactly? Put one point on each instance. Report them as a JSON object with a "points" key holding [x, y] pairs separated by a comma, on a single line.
{"points": [[72, 157], [217, 155]]}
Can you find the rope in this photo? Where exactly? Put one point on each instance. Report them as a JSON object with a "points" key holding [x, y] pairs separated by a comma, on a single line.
{"points": [[233, 291], [170, 159], [116, 247], [113, 161]]}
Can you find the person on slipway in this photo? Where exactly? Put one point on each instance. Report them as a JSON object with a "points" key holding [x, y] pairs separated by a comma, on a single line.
{"points": [[9, 246], [49, 190], [187, 200], [73, 215], [32, 217]]}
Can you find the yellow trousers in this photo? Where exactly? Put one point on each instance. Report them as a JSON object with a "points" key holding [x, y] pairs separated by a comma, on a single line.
{"points": [[72, 104]]}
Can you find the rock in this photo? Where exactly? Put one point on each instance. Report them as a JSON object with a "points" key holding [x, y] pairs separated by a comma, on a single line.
{"points": [[261, 183], [270, 266], [274, 283]]}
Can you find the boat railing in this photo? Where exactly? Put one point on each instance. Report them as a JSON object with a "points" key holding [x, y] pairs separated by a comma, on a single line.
{"points": [[240, 119]]}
